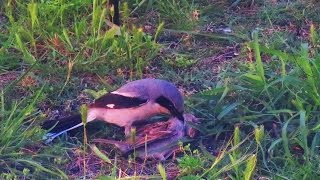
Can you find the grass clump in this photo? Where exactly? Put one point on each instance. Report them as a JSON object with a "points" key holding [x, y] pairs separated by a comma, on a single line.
{"points": [[19, 137], [182, 15], [282, 95], [260, 114], [73, 33], [191, 162]]}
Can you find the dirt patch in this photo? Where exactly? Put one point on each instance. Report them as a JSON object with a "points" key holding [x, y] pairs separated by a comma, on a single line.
{"points": [[217, 61], [125, 166], [8, 77]]}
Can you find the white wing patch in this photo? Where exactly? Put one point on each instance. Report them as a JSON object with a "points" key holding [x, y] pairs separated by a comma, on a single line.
{"points": [[127, 94], [110, 106]]}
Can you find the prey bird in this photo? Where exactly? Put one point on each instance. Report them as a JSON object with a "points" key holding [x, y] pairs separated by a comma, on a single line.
{"points": [[158, 140]]}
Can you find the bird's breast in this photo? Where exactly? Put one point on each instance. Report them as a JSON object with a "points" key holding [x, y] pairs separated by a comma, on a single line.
{"points": [[126, 116]]}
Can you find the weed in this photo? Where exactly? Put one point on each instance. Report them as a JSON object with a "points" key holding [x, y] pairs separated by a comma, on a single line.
{"points": [[191, 162], [181, 61]]}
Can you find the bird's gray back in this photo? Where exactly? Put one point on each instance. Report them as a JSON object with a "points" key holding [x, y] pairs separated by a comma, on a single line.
{"points": [[152, 89]]}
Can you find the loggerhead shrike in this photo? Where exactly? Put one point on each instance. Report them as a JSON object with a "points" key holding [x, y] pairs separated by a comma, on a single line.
{"points": [[135, 101]]}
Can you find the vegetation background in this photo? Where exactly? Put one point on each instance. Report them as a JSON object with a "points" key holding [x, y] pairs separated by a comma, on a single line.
{"points": [[249, 69]]}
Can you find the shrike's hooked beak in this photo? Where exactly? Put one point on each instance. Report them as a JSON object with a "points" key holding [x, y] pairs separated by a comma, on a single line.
{"points": [[180, 116]]}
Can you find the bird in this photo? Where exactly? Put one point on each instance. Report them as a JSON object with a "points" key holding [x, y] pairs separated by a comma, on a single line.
{"points": [[133, 102], [158, 140]]}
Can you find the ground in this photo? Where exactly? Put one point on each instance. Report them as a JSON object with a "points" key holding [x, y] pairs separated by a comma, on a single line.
{"points": [[258, 110]]}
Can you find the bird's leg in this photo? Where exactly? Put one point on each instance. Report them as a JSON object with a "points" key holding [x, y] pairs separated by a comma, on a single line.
{"points": [[174, 152], [127, 130]]}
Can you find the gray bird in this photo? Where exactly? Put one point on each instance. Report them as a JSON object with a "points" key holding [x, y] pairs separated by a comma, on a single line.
{"points": [[135, 101]]}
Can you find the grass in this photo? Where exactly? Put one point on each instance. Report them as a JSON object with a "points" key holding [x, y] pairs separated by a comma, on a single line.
{"points": [[256, 89], [19, 132]]}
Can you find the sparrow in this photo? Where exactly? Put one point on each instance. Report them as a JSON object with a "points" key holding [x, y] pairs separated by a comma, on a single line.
{"points": [[158, 140]]}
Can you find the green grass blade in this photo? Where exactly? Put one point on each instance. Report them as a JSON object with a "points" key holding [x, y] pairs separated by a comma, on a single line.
{"points": [[304, 133], [67, 38], [162, 172], [33, 11], [42, 168], [250, 167], [100, 154], [284, 136], [227, 110], [256, 48], [27, 55]]}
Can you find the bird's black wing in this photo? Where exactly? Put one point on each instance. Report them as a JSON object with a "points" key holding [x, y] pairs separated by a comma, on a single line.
{"points": [[117, 101], [59, 125]]}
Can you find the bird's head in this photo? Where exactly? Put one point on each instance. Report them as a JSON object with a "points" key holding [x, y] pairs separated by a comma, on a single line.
{"points": [[191, 120], [172, 100], [163, 93]]}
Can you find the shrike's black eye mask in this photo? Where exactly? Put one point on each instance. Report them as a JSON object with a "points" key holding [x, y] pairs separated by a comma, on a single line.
{"points": [[165, 102]]}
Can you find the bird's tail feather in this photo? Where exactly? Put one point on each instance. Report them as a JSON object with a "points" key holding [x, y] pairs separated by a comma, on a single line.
{"points": [[60, 126]]}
